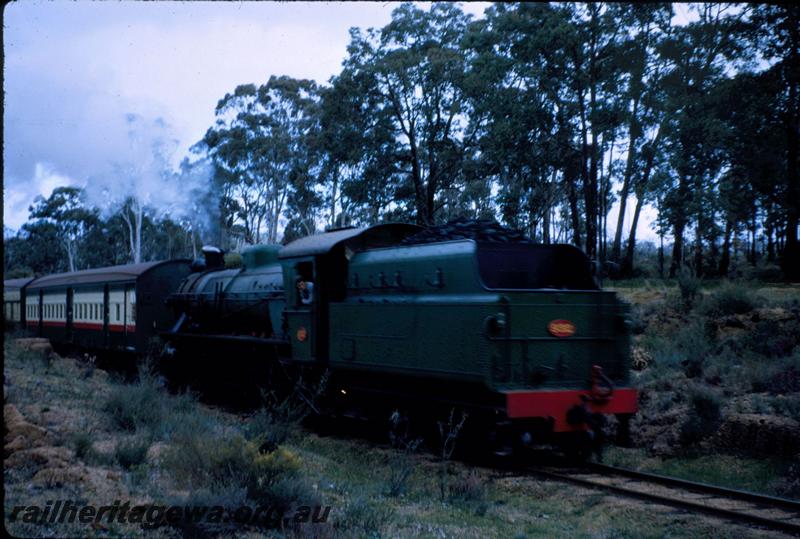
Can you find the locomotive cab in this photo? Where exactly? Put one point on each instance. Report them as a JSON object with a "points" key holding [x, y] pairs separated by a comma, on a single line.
{"points": [[315, 276]]}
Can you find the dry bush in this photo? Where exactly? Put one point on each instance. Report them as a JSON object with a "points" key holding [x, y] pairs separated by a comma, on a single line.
{"points": [[364, 518], [730, 298], [705, 415], [131, 452], [137, 405]]}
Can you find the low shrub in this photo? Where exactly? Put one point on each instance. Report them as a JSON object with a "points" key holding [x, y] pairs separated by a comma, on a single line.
{"points": [[137, 405], [228, 497], [132, 452], [362, 517], [204, 460], [772, 340], [271, 426], [400, 462], [696, 344], [82, 444], [689, 285], [786, 406], [470, 489], [637, 321], [776, 376], [401, 467], [705, 415], [281, 414], [730, 298]]}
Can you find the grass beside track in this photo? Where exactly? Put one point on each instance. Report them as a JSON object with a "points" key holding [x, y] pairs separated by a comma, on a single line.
{"points": [[731, 471], [374, 491]]}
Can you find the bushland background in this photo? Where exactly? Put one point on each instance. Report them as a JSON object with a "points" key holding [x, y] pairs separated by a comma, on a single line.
{"points": [[544, 117]]}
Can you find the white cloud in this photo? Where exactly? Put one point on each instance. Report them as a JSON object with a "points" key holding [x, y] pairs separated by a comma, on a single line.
{"points": [[44, 180]]}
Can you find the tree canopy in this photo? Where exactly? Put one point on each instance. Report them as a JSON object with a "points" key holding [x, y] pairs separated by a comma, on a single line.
{"points": [[564, 120]]}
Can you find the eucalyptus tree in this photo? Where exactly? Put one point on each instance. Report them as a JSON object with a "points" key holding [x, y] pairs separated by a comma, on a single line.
{"points": [[516, 95], [414, 68], [700, 53], [259, 139], [780, 42], [66, 211], [594, 76], [754, 147], [359, 155], [37, 248], [643, 68]]}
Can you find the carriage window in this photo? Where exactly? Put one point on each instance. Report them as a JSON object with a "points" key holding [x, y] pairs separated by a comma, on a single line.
{"points": [[133, 313], [118, 318]]}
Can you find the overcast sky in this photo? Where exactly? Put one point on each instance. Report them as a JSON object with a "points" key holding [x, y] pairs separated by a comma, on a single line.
{"points": [[75, 72]]}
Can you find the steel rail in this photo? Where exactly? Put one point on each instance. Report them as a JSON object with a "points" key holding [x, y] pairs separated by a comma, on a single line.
{"points": [[753, 497], [788, 525]]}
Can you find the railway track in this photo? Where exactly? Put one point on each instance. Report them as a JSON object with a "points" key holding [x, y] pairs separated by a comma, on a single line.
{"points": [[744, 507]]}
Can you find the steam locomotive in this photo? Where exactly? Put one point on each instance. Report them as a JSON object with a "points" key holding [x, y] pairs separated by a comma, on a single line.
{"points": [[516, 334]]}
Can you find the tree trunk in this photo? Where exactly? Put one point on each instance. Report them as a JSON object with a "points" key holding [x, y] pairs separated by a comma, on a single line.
{"points": [[572, 196], [725, 259], [753, 230], [627, 263], [626, 181], [641, 187], [334, 188], [589, 155], [698, 240], [770, 243], [678, 225]]}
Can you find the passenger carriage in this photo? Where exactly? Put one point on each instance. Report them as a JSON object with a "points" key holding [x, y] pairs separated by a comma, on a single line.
{"points": [[13, 300], [117, 308]]}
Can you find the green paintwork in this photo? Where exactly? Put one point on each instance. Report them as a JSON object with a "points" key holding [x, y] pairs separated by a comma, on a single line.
{"points": [[423, 309], [298, 315], [260, 255]]}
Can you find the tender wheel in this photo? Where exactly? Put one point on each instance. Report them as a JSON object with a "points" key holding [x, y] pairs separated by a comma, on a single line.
{"points": [[577, 446]]}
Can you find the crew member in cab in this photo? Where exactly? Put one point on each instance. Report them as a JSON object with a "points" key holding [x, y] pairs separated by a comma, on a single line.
{"points": [[305, 291], [305, 286]]}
